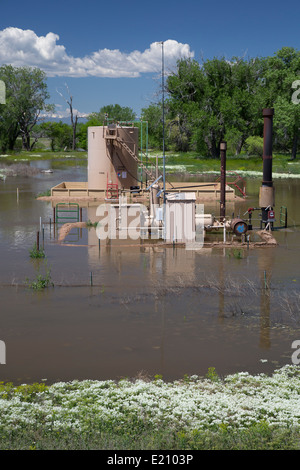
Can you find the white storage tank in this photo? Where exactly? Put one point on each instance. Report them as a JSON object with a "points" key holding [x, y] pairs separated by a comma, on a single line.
{"points": [[111, 151]]}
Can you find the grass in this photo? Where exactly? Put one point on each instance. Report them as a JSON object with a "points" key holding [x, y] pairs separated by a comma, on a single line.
{"points": [[10, 160], [44, 193], [90, 224], [42, 281], [258, 437], [192, 162], [237, 412], [36, 253], [236, 253]]}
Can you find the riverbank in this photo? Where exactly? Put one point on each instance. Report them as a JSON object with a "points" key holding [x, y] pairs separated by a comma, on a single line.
{"points": [[239, 411]]}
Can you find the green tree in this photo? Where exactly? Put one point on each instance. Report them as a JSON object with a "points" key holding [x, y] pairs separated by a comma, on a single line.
{"points": [[185, 88], [9, 129], [60, 134], [83, 129], [153, 115], [115, 113], [280, 71], [26, 95], [212, 101]]}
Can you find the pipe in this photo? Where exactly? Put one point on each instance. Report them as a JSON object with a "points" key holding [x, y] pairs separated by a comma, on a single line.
{"points": [[266, 196], [268, 114], [223, 147]]}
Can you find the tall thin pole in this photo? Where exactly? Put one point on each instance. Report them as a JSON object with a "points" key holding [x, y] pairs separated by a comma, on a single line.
{"points": [[223, 147], [163, 116], [141, 152]]}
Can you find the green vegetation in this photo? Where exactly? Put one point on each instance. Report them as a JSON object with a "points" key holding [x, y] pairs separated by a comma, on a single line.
{"points": [[90, 224], [193, 162], [42, 280], [222, 99], [176, 162], [36, 253], [218, 99], [236, 253], [26, 95], [237, 412], [212, 374], [59, 134], [44, 193]]}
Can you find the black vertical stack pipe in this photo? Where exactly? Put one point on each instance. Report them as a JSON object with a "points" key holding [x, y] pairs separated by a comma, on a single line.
{"points": [[268, 114], [268, 144], [223, 147]]}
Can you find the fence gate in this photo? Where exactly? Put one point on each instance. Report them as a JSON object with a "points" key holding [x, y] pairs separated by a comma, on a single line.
{"points": [[68, 208], [283, 216]]}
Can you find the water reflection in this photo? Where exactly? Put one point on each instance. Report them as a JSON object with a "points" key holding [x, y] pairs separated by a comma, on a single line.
{"points": [[168, 311], [265, 266]]}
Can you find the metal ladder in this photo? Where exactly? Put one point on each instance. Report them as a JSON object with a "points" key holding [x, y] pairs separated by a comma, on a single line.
{"points": [[133, 155], [112, 135]]}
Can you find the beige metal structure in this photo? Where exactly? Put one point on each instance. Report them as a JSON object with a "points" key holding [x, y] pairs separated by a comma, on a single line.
{"points": [[180, 217], [112, 157]]}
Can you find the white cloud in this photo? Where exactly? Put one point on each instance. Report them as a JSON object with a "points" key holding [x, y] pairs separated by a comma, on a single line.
{"points": [[64, 113], [20, 47]]}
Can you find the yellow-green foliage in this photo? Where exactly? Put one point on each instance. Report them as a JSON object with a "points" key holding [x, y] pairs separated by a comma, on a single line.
{"points": [[27, 392]]}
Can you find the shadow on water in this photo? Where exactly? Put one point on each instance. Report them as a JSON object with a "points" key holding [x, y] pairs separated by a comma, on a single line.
{"points": [[116, 310]]}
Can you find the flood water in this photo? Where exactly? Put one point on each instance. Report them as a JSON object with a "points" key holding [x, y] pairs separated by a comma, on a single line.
{"points": [[150, 309]]}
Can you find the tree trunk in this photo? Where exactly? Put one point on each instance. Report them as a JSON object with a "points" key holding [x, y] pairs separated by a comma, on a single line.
{"points": [[295, 145], [211, 143], [74, 125], [26, 141], [239, 146], [73, 122], [12, 136]]}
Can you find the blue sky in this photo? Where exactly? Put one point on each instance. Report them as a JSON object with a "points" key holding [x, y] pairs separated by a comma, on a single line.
{"points": [[106, 53]]}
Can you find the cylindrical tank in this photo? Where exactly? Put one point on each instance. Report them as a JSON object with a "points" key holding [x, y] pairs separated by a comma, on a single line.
{"points": [[109, 160]]}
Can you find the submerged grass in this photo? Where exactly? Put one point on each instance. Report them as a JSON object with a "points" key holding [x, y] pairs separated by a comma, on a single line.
{"points": [[42, 280], [36, 253], [192, 162], [240, 411], [188, 162]]}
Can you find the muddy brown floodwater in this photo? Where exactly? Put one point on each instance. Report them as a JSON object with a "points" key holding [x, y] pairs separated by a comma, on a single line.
{"points": [[150, 309]]}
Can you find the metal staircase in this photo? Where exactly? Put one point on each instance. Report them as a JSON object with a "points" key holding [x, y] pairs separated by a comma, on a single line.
{"points": [[133, 155], [112, 135]]}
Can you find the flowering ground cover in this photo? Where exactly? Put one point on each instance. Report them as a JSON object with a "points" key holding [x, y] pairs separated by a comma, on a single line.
{"points": [[238, 411]]}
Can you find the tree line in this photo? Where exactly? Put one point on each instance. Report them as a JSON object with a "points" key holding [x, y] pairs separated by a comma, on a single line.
{"points": [[205, 102]]}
